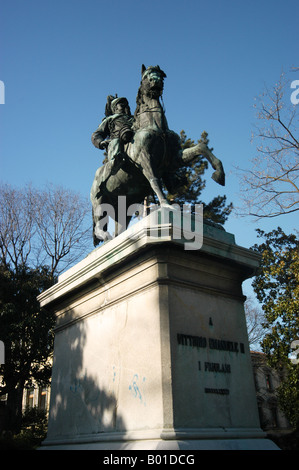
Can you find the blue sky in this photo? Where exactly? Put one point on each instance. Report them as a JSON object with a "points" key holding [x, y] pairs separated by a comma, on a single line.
{"points": [[61, 58]]}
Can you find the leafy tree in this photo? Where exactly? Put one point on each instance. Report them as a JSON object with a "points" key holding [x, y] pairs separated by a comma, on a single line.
{"points": [[28, 335], [42, 231], [34, 424], [277, 288], [190, 184]]}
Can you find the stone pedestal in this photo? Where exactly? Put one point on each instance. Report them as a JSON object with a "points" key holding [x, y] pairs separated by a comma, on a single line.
{"points": [[151, 348]]}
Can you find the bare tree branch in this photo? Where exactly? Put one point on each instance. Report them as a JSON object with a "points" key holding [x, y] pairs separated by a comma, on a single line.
{"points": [[254, 321], [48, 226], [60, 225], [17, 225], [271, 187]]}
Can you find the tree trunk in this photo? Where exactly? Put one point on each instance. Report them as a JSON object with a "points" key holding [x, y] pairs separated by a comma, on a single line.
{"points": [[14, 408]]}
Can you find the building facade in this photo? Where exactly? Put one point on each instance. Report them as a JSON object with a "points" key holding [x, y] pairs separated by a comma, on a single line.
{"points": [[267, 380], [38, 397]]}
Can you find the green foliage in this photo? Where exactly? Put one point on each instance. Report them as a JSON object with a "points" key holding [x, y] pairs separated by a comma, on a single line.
{"points": [[27, 332], [34, 423], [277, 288], [217, 210], [20, 441], [33, 431], [24, 327], [288, 395], [37, 227]]}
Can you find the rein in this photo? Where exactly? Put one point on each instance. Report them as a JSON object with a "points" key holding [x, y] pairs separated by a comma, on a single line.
{"points": [[151, 110]]}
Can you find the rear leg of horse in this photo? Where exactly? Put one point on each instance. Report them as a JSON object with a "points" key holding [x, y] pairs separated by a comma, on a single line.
{"points": [[100, 225], [121, 224], [99, 231]]}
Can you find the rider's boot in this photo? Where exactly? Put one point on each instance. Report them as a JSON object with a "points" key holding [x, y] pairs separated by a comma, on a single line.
{"points": [[111, 168], [116, 162]]}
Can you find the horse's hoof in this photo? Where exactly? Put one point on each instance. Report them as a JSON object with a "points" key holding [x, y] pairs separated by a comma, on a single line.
{"points": [[96, 241], [166, 205], [219, 177], [101, 235]]}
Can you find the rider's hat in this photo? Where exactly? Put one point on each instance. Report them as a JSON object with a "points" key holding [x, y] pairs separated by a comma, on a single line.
{"points": [[118, 100]]}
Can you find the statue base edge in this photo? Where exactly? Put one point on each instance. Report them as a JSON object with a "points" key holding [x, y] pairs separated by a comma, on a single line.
{"points": [[167, 439], [172, 445]]}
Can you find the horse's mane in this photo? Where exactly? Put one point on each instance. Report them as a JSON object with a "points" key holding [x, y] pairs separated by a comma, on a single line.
{"points": [[139, 100]]}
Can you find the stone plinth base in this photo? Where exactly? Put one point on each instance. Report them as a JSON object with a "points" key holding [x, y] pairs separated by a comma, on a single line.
{"points": [[151, 348], [173, 445]]}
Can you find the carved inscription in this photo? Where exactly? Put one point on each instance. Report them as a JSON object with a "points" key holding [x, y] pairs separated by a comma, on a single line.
{"points": [[218, 391], [193, 341], [223, 345], [215, 367], [212, 343]]}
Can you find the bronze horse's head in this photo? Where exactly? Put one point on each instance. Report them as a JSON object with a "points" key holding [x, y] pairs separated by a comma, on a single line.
{"points": [[152, 81]]}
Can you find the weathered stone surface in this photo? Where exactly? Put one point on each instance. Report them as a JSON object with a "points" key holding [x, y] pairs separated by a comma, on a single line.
{"points": [[151, 348]]}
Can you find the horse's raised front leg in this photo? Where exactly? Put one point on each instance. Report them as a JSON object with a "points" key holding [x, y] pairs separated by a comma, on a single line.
{"points": [[218, 175], [201, 148]]}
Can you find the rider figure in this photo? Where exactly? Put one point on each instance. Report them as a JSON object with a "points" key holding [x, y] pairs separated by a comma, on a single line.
{"points": [[117, 125]]}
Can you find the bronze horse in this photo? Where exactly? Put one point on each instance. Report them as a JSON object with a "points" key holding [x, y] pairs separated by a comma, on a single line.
{"points": [[151, 158]]}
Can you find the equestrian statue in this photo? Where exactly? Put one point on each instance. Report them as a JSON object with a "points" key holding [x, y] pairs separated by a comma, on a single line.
{"points": [[144, 155]]}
